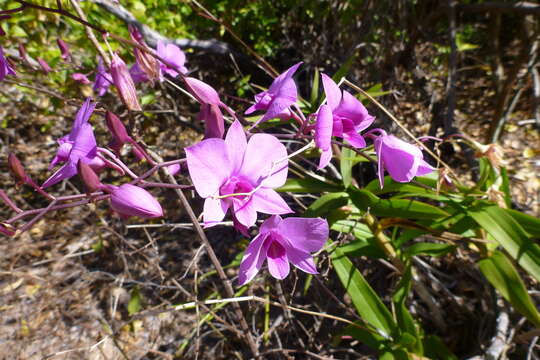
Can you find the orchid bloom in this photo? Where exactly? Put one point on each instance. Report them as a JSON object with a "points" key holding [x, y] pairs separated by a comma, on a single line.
{"points": [[79, 144], [343, 116], [174, 55], [5, 67], [103, 79], [281, 241], [239, 175], [210, 112], [81, 78], [402, 160], [130, 200], [277, 99]]}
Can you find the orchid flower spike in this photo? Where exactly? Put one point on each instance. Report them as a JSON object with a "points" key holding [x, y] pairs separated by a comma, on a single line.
{"points": [[124, 83], [277, 99], [79, 144], [102, 80], [175, 56], [130, 200], [239, 175], [281, 241], [5, 67], [402, 160], [210, 112], [343, 116]]}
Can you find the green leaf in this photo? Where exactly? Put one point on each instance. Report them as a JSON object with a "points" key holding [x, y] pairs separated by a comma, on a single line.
{"points": [[529, 223], [308, 185], [364, 247], [327, 203], [409, 209], [134, 304], [346, 165], [510, 235], [431, 249], [315, 89], [435, 348], [367, 337], [367, 303], [411, 333], [504, 277]]}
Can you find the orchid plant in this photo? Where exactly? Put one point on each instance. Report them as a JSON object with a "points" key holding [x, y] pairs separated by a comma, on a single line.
{"points": [[241, 171]]}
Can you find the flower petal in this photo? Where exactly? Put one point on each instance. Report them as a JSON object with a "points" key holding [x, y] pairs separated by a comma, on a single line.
{"points": [[65, 172], [208, 165], [270, 224], [332, 91], [355, 139], [352, 109], [82, 117], [400, 158], [305, 234], [214, 210], [253, 259], [204, 93], [278, 263], [268, 201], [279, 86], [424, 168], [236, 145], [245, 212], [302, 260], [323, 128], [265, 160], [326, 156]]}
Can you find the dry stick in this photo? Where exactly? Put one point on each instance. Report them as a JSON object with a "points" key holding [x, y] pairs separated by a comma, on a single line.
{"points": [[393, 118], [90, 33], [214, 259]]}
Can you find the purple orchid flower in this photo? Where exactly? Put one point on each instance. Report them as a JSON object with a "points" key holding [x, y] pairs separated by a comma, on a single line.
{"points": [[240, 175], [344, 116], [277, 99], [5, 67], [103, 79], [281, 241], [402, 160], [79, 144], [137, 74], [130, 200], [174, 55]]}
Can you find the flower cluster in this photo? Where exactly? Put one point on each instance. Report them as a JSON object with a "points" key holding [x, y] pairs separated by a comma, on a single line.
{"points": [[234, 171]]}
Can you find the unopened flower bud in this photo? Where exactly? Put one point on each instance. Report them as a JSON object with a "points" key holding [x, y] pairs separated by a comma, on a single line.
{"points": [[131, 200], [64, 49], [124, 83], [79, 77], [117, 129], [22, 53], [203, 92], [88, 177], [6, 229], [17, 169], [5, 66], [44, 66]]}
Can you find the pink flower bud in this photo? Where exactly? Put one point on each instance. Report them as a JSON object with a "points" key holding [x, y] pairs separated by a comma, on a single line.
{"points": [[124, 83], [44, 66], [88, 177], [131, 200], [79, 77], [22, 53], [16, 168], [118, 130], [64, 49]]}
